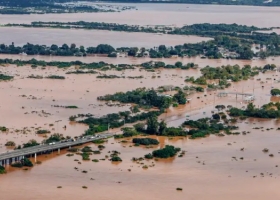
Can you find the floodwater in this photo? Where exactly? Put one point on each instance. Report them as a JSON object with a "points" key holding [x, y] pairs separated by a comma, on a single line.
{"points": [[214, 168], [188, 172], [164, 14], [132, 60], [47, 36], [213, 163]]}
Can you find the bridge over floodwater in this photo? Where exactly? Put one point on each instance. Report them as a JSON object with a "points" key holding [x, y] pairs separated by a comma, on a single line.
{"points": [[16, 155]]}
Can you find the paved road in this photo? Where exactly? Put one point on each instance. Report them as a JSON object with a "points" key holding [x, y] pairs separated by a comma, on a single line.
{"points": [[47, 147]]}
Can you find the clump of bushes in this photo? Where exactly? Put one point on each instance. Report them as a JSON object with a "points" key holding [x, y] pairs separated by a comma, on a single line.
{"points": [[23, 163], [42, 132], [55, 77], [2, 170], [3, 128], [85, 156], [145, 141], [86, 149], [116, 159], [167, 152], [149, 156], [10, 144]]}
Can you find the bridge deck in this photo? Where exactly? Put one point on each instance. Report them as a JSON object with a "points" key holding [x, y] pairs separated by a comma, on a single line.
{"points": [[238, 93], [47, 147]]}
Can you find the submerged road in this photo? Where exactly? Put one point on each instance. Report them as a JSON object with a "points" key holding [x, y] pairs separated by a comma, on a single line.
{"points": [[16, 155]]}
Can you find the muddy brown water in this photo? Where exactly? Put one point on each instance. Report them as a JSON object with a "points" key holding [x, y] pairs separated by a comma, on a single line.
{"points": [[224, 175], [219, 174], [21, 36], [164, 14]]}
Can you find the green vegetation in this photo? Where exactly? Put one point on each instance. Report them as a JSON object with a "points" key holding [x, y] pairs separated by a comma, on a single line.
{"points": [[159, 64], [87, 68], [19, 7], [69, 107], [109, 76], [167, 152], [270, 110], [225, 74], [115, 120], [216, 2], [149, 156], [127, 132], [85, 156], [30, 143], [10, 144], [98, 141], [56, 137], [141, 96], [86, 149], [42, 132], [145, 141], [35, 76], [116, 159], [4, 77], [205, 126], [23, 163], [275, 92], [55, 77], [82, 72], [155, 128], [2, 170], [230, 41], [3, 128]]}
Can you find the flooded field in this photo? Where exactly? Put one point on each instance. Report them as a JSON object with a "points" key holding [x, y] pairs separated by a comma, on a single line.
{"points": [[133, 60], [30, 102], [213, 168], [21, 36], [215, 164], [167, 14]]}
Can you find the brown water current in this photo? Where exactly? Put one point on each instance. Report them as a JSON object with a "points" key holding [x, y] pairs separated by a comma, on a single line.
{"points": [[167, 14], [20, 36], [208, 163], [213, 168]]}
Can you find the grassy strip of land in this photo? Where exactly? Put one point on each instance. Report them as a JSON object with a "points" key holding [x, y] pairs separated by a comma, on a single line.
{"points": [[230, 40]]}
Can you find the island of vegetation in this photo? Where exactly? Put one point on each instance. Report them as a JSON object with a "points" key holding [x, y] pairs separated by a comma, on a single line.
{"points": [[145, 141], [19, 7], [2, 170], [270, 110], [4, 77], [230, 41], [166, 152]]}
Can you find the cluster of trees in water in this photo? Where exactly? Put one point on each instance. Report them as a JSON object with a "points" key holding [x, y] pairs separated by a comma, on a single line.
{"points": [[205, 29], [206, 126], [146, 98], [48, 3], [230, 40], [145, 141], [270, 110], [167, 152], [4, 77], [64, 50], [228, 73], [25, 162], [96, 65], [275, 92], [218, 2], [21, 7], [2, 170], [113, 120]]}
